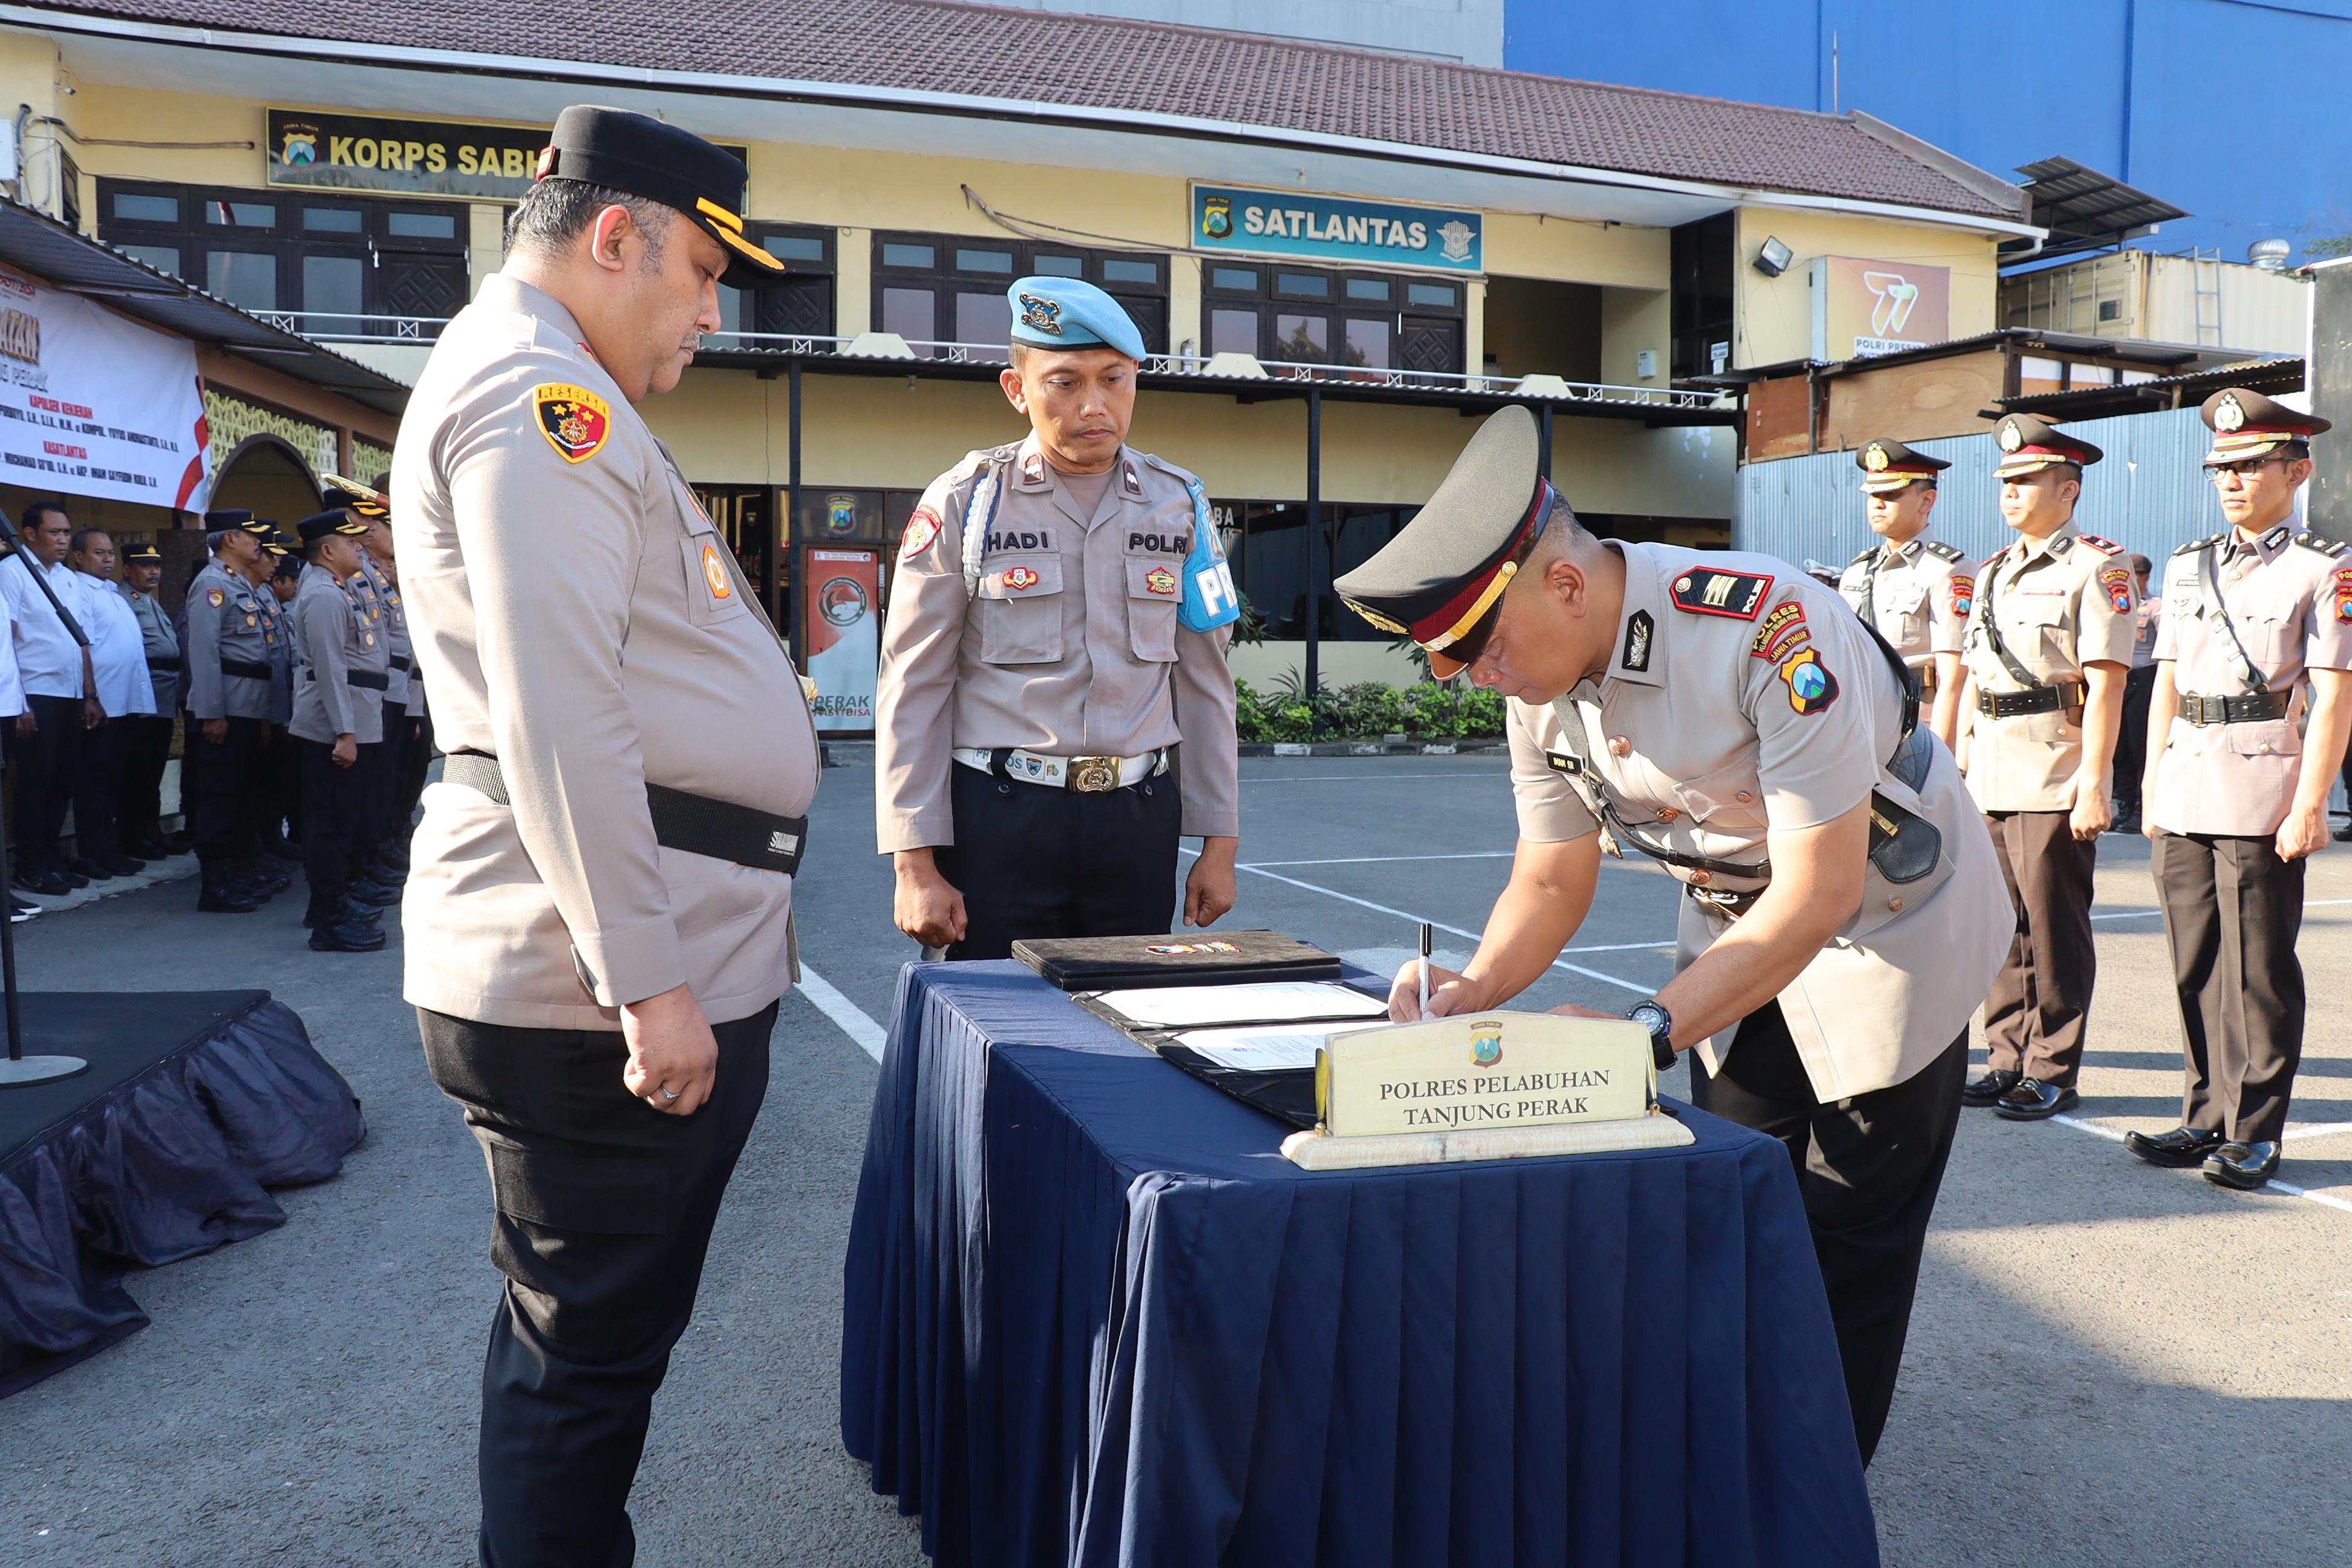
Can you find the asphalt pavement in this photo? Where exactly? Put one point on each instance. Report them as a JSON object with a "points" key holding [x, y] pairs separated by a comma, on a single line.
{"points": [[2108, 1364]]}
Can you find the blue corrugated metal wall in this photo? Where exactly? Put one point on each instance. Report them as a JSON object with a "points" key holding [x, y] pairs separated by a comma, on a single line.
{"points": [[2148, 494]]}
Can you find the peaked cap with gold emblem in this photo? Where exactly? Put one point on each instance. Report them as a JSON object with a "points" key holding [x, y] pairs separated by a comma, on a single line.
{"points": [[336, 491], [645, 157], [1441, 580], [1888, 464], [2029, 445], [2247, 425]]}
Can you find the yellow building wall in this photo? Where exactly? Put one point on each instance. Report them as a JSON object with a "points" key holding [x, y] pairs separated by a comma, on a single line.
{"points": [[1772, 319]]}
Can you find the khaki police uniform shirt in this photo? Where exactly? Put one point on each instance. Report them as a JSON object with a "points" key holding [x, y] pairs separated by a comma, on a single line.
{"points": [[224, 624], [1768, 707], [2064, 602], [577, 616], [332, 639], [1918, 593], [1069, 647], [2289, 599]]}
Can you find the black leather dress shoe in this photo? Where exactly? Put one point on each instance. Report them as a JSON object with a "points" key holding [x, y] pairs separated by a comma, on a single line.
{"points": [[2244, 1166], [124, 865], [89, 869], [1985, 1090], [2180, 1148], [375, 894], [2033, 1100], [224, 898], [347, 937], [347, 914], [47, 883]]}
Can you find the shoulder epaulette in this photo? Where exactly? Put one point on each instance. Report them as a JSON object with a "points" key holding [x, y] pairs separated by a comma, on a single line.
{"points": [[1181, 476], [1944, 551], [1863, 556], [2194, 545], [2328, 547], [2104, 546]]}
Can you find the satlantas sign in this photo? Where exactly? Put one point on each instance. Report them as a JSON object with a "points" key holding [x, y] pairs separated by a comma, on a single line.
{"points": [[405, 157]]}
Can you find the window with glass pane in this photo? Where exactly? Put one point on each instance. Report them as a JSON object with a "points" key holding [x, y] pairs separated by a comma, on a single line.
{"points": [[910, 313], [331, 287], [1305, 338], [984, 319], [1126, 270], [241, 215], [1046, 266], [1368, 344], [1233, 280], [1431, 294], [246, 279], [1377, 290], [333, 220], [730, 315], [421, 226], [134, 207], [915, 258], [972, 259], [794, 246], [1232, 331], [1302, 285], [164, 258]]}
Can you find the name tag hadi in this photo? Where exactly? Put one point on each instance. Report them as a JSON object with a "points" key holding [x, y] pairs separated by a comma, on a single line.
{"points": [[1483, 1070]]}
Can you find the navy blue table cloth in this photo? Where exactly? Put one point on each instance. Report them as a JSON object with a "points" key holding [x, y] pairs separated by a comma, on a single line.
{"points": [[1092, 1316]]}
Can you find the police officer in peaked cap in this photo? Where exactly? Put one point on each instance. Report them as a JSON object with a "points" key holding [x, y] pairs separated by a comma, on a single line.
{"points": [[1055, 709], [597, 924], [1733, 719], [1915, 590]]}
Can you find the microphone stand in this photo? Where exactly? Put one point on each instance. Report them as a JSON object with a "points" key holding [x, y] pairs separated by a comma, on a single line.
{"points": [[20, 1070]]}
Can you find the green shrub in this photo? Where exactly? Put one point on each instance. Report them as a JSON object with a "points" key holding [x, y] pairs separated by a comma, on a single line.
{"points": [[1367, 712]]}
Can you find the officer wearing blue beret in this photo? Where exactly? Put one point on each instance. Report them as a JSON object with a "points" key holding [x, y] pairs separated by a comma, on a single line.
{"points": [[1054, 709]]}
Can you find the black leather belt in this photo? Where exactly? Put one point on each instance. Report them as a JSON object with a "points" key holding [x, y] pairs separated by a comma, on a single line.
{"points": [[373, 681], [400, 661], [2250, 709], [170, 664], [694, 824], [247, 668], [2032, 700]]}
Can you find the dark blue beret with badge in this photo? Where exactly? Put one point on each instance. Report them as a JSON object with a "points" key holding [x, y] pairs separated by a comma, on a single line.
{"points": [[1067, 313], [641, 156], [1441, 580]]}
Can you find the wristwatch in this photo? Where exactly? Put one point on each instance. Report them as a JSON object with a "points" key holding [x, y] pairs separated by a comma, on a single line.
{"points": [[1661, 1025]]}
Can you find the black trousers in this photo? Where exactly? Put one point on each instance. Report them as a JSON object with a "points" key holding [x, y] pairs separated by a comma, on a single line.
{"points": [[2233, 911], [1035, 861], [48, 765], [2131, 740], [415, 755], [225, 815], [602, 1215], [376, 769], [1869, 1168], [146, 751], [332, 800], [98, 791]]}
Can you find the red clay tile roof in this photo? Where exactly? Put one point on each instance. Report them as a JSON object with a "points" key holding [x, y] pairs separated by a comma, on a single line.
{"points": [[948, 47]]}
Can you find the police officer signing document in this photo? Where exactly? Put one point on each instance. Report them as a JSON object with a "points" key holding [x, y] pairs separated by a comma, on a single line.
{"points": [[598, 922], [1731, 718], [1057, 628], [2256, 636]]}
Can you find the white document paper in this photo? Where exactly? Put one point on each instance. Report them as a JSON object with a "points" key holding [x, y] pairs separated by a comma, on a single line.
{"points": [[1280, 1001], [1272, 1049]]}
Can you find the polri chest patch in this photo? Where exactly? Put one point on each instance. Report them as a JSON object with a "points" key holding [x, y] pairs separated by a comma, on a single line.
{"points": [[1710, 590], [574, 420]]}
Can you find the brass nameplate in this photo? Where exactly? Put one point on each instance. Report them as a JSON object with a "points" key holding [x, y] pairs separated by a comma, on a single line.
{"points": [[1482, 1071]]}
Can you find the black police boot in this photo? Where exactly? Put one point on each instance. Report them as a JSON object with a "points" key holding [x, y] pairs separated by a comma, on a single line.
{"points": [[88, 870], [345, 936], [375, 894], [2180, 1148], [225, 898], [341, 913], [2244, 1166], [2033, 1100], [1985, 1090]]}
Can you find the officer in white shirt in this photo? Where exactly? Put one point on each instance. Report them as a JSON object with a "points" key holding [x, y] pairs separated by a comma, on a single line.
{"points": [[117, 656], [45, 747]]}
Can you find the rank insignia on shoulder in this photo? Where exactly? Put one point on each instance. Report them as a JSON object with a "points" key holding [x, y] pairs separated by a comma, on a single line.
{"points": [[2118, 585], [2194, 545], [2328, 547], [2104, 546], [1811, 687], [1710, 590], [921, 529], [214, 597], [574, 420], [1866, 555], [1943, 552]]}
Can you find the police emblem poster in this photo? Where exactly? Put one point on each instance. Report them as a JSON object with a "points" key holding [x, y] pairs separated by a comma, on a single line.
{"points": [[841, 636], [92, 404]]}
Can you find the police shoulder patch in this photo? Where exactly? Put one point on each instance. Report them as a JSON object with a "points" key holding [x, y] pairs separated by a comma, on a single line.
{"points": [[1811, 687], [214, 597], [574, 420], [2104, 546], [1943, 552], [921, 529], [1711, 591], [2118, 585]]}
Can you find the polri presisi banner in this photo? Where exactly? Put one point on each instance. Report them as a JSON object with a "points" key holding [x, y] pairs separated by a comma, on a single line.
{"points": [[1336, 230], [94, 404], [1864, 308], [404, 157], [841, 634]]}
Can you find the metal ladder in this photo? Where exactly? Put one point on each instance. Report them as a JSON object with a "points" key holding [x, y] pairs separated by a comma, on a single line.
{"points": [[2205, 271]]}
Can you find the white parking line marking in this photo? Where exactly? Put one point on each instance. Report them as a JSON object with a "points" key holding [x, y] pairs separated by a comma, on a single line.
{"points": [[868, 1035], [1379, 859], [1349, 778]]}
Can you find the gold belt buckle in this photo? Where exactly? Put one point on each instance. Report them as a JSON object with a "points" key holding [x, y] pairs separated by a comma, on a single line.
{"points": [[1094, 775]]}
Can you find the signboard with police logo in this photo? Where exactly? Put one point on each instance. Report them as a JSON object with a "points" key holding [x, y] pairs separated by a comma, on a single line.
{"points": [[1336, 229], [404, 156]]}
